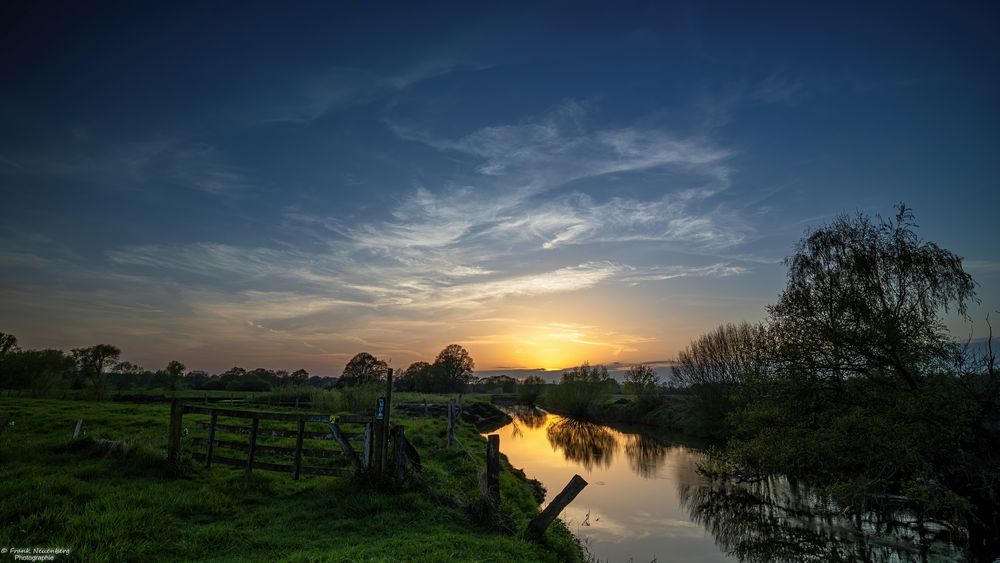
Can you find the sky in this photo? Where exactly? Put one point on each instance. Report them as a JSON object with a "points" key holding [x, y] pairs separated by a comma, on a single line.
{"points": [[545, 183]]}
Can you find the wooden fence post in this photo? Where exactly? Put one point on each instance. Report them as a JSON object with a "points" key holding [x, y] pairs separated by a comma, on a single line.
{"points": [[538, 525], [253, 443], [451, 422], [399, 453], [211, 441], [366, 455], [492, 480], [384, 446], [174, 438], [378, 436], [76, 431], [298, 449]]}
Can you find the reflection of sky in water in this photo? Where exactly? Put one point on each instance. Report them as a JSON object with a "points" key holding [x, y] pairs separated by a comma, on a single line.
{"points": [[644, 495], [632, 499]]}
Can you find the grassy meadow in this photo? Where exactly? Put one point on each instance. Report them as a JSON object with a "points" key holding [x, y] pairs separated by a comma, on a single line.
{"points": [[124, 503]]}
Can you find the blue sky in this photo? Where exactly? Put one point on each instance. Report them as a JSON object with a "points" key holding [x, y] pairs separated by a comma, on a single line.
{"points": [[544, 183]]}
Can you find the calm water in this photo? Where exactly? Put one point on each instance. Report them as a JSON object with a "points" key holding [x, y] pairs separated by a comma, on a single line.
{"points": [[646, 501]]}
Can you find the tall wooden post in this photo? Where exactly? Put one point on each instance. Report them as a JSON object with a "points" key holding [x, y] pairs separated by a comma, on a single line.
{"points": [[452, 408], [298, 449], [174, 437], [211, 440], [492, 480], [253, 443], [384, 452], [378, 436], [398, 453], [366, 456]]}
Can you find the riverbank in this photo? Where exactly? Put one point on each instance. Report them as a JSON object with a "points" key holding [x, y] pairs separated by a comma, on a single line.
{"points": [[124, 503], [622, 410]]}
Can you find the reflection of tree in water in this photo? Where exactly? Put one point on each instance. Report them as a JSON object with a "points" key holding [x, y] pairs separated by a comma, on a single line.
{"points": [[583, 442], [528, 416], [777, 520], [645, 454]]}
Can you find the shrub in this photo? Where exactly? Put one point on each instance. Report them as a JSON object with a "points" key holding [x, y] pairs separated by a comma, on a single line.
{"points": [[581, 390]]}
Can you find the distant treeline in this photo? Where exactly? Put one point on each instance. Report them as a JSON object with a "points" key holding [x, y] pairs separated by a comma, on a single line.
{"points": [[98, 372]]}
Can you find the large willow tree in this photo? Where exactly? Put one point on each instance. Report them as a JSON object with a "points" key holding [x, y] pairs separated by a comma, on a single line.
{"points": [[865, 298]]}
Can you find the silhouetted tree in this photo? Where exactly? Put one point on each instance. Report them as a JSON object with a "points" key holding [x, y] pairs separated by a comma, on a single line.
{"points": [[412, 376], [175, 371], [362, 369], [8, 343], [530, 389], [721, 370], [91, 363], [299, 377], [456, 366], [863, 298], [641, 379], [38, 370], [123, 375]]}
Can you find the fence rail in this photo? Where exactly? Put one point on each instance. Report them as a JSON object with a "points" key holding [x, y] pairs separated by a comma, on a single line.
{"points": [[333, 432]]}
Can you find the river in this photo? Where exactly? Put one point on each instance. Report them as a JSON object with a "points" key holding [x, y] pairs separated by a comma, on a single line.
{"points": [[646, 502]]}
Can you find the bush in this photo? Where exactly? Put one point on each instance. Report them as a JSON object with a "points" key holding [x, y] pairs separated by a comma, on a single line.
{"points": [[248, 383], [530, 389], [360, 398], [581, 391]]}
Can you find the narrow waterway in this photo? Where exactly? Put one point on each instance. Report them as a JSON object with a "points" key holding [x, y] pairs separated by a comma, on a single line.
{"points": [[646, 501]]}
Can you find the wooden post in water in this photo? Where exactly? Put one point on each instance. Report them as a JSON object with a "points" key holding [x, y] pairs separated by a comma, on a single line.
{"points": [[451, 422], [298, 449], [537, 527], [76, 431], [211, 441], [253, 443], [492, 481], [174, 437]]}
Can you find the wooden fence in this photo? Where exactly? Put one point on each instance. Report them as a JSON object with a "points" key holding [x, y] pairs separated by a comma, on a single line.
{"points": [[350, 460]]}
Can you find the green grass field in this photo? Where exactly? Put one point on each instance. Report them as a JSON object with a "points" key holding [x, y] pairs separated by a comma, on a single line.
{"points": [[127, 504]]}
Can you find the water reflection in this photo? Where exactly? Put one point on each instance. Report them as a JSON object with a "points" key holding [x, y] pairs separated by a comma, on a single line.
{"points": [[645, 454], [777, 519], [527, 416], [647, 500], [591, 445]]}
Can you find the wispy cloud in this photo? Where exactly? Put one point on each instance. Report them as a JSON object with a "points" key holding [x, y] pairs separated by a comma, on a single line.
{"points": [[150, 164], [509, 229], [314, 96], [778, 88]]}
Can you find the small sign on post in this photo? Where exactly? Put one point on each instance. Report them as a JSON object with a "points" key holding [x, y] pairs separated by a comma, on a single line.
{"points": [[380, 409]]}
